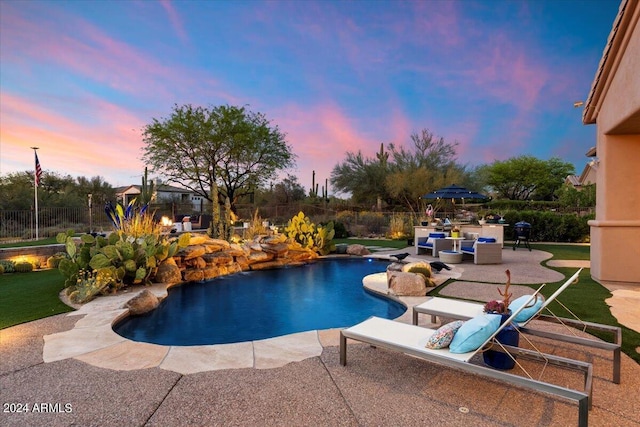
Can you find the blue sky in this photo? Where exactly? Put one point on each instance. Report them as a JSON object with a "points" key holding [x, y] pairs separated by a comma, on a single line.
{"points": [[80, 79]]}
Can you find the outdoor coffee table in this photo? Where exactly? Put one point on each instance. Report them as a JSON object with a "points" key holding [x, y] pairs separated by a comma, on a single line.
{"points": [[450, 257], [456, 243]]}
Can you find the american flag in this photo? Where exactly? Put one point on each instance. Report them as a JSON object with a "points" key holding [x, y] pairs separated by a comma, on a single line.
{"points": [[38, 170]]}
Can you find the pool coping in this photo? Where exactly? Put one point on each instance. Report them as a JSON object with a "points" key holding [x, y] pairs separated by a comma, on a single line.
{"points": [[93, 341]]}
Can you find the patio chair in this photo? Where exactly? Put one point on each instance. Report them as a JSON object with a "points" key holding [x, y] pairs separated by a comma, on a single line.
{"points": [[411, 340], [485, 250], [456, 309], [435, 243]]}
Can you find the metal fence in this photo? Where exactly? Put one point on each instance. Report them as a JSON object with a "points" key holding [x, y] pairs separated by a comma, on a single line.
{"points": [[17, 225]]}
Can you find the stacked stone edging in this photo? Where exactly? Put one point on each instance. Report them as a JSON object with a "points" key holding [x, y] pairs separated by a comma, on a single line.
{"points": [[206, 258]]}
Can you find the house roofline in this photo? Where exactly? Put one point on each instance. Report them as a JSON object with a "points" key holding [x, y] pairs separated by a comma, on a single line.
{"points": [[608, 63]]}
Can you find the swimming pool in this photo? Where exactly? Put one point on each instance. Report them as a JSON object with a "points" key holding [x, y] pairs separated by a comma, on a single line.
{"points": [[263, 304]]}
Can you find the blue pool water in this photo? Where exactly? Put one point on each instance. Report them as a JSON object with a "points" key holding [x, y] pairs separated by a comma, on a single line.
{"points": [[263, 304]]}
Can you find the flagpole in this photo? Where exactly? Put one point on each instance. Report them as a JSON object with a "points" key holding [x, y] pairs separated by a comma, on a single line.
{"points": [[35, 185]]}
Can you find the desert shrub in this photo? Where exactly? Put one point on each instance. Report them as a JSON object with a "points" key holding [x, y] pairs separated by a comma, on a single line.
{"points": [[23, 267], [373, 221], [348, 218], [549, 226], [340, 230], [399, 226]]}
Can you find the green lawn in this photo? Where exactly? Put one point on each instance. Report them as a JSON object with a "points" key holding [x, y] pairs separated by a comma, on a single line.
{"points": [[30, 296], [39, 242], [581, 252], [387, 243]]}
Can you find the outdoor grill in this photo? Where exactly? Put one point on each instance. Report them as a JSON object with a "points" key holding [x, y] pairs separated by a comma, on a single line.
{"points": [[523, 233]]}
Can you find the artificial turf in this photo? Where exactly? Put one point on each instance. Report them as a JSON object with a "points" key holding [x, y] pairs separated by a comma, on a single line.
{"points": [[30, 296]]}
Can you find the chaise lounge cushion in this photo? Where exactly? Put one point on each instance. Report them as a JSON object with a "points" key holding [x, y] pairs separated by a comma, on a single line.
{"points": [[473, 333], [444, 335], [527, 312]]}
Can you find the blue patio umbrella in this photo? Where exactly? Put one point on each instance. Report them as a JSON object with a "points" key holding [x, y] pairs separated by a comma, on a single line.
{"points": [[455, 193]]}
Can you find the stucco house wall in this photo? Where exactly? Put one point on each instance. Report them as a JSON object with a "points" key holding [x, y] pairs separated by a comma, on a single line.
{"points": [[614, 106]]}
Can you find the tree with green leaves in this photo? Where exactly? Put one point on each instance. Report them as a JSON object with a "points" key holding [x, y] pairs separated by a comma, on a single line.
{"points": [[527, 177], [288, 190], [427, 166], [400, 175], [225, 149], [361, 176]]}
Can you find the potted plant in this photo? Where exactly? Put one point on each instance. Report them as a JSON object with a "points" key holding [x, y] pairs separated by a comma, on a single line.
{"points": [[481, 218], [508, 335], [455, 231]]}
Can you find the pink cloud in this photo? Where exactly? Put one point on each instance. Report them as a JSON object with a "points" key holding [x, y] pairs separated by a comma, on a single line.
{"points": [[175, 20], [81, 47], [110, 147]]}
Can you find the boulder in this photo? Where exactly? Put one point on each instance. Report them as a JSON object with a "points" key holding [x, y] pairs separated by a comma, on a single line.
{"points": [[142, 303], [357, 250], [193, 275], [267, 265], [198, 262], [407, 284], [198, 239], [218, 258], [243, 262], [255, 257], [210, 272], [215, 245], [168, 272], [279, 249], [192, 252], [236, 250]]}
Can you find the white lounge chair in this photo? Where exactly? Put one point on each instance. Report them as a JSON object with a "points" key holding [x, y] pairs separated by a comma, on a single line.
{"points": [[456, 309], [411, 340]]}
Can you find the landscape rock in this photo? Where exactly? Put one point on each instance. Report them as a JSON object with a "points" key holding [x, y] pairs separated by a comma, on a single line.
{"points": [[168, 272], [357, 250], [142, 303], [407, 284]]}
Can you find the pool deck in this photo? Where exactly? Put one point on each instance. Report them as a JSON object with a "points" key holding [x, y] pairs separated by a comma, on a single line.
{"points": [[76, 359]]}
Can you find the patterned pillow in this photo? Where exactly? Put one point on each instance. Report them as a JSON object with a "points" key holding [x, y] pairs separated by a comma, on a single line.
{"points": [[444, 335]]}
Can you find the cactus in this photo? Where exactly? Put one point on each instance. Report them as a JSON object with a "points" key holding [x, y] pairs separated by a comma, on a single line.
{"points": [[8, 266], [54, 260], [91, 283], [308, 235], [146, 190], [314, 188], [23, 267], [129, 258]]}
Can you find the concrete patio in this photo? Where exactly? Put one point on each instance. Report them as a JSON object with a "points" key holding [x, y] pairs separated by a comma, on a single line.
{"points": [[88, 375]]}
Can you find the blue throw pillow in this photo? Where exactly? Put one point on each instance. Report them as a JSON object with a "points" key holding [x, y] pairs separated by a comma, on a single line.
{"points": [[526, 312], [486, 240], [437, 235], [473, 333]]}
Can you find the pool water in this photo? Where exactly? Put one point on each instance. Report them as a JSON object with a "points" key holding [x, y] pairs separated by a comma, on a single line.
{"points": [[263, 304]]}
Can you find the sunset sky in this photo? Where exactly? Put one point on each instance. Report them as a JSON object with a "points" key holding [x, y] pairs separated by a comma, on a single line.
{"points": [[80, 79]]}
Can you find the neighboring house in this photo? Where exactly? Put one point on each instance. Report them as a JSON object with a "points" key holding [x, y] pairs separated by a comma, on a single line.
{"points": [[588, 175], [614, 106], [163, 193]]}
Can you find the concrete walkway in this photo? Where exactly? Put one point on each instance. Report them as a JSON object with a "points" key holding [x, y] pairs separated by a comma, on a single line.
{"points": [[87, 375]]}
